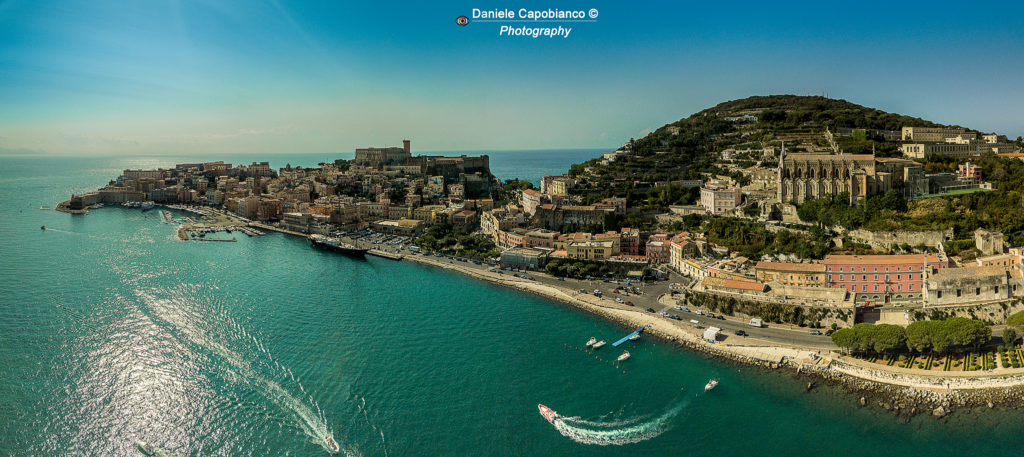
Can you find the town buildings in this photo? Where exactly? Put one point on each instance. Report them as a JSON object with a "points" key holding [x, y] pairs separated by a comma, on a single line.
{"points": [[882, 278]]}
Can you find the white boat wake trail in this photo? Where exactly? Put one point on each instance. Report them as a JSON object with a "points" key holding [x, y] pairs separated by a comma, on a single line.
{"points": [[618, 432], [185, 323]]}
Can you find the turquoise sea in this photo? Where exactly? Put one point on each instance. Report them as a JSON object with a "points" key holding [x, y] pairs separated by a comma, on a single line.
{"points": [[112, 331]]}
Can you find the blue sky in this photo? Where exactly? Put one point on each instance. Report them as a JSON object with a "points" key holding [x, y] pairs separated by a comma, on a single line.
{"points": [[167, 76]]}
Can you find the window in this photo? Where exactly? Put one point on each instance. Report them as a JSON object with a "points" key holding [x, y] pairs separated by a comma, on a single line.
{"points": [[864, 288], [938, 294], [898, 277], [876, 289], [958, 292], [863, 277], [876, 268], [876, 277], [997, 289], [977, 291], [899, 287]]}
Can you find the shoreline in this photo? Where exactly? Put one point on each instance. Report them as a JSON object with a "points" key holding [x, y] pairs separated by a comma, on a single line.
{"points": [[905, 395]]}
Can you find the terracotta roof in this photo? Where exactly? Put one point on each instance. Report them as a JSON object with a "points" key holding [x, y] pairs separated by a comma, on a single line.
{"points": [[789, 266], [733, 283]]}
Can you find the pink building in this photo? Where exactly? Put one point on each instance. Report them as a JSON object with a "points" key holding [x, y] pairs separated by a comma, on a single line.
{"points": [[658, 248], [881, 277], [718, 198], [969, 171], [630, 241]]}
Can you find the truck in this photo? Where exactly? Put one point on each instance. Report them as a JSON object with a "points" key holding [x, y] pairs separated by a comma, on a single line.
{"points": [[756, 322]]}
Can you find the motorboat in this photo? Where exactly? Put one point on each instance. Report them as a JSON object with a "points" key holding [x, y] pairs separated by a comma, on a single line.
{"points": [[145, 448], [711, 384], [331, 444], [591, 341], [624, 356], [598, 344], [634, 337], [548, 413]]}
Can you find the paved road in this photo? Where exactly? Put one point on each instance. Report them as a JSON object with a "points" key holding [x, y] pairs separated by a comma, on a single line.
{"points": [[649, 299]]}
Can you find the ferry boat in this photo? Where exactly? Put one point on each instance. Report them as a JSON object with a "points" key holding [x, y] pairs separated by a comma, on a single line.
{"points": [[711, 384], [146, 206], [548, 413], [591, 341], [624, 356], [336, 245], [598, 344], [331, 444], [145, 448]]}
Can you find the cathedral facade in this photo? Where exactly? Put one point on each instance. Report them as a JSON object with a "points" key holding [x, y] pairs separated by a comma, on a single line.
{"points": [[803, 177]]}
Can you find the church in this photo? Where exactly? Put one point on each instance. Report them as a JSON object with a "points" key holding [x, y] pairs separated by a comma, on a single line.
{"points": [[803, 177]]}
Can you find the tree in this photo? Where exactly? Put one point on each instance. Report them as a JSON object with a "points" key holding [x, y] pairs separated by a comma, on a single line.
{"points": [[919, 336], [1009, 335], [864, 334], [845, 339], [889, 337]]}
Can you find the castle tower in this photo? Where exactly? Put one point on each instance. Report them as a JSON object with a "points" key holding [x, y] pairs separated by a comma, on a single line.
{"points": [[405, 145]]}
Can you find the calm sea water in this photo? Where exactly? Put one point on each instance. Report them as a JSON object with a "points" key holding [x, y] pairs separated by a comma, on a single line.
{"points": [[112, 331]]}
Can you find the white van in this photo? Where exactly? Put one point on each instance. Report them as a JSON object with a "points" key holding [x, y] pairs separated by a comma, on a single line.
{"points": [[756, 322]]}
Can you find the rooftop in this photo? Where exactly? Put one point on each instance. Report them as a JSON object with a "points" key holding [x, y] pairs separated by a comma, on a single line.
{"points": [[789, 266]]}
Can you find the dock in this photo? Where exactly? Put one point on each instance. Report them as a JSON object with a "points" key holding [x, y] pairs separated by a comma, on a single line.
{"points": [[627, 337], [277, 229], [386, 255]]}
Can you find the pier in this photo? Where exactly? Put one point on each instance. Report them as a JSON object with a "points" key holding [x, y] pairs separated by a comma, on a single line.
{"points": [[627, 337], [386, 255]]}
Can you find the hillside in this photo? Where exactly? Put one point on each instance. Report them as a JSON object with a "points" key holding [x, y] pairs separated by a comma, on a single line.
{"points": [[738, 137]]}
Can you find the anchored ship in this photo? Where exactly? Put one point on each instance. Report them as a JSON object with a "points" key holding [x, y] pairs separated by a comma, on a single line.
{"points": [[336, 245]]}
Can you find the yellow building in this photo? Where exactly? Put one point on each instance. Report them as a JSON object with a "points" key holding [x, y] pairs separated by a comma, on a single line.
{"points": [[792, 274], [589, 250]]}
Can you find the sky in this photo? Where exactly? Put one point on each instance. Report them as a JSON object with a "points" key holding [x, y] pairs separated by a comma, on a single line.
{"points": [[102, 77]]}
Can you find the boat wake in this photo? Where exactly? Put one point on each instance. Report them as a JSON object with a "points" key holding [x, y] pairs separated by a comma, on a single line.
{"points": [[266, 376], [618, 431]]}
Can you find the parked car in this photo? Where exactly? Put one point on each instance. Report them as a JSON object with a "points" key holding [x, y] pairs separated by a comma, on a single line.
{"points": [[629, 303], [815, 332], [720, 317], [829, 332], [618, 300], [650, 310], [740, 333]]}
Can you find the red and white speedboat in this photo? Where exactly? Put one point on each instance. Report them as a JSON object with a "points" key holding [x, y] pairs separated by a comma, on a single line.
{"points": [[548, 413], [331, 444]]}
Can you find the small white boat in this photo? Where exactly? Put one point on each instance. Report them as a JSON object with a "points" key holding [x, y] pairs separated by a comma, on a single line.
{"points": [[332, 445], [591, 341], [624, 356], [598, 344], [634, 337], [711, 384], [145, 448]]}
